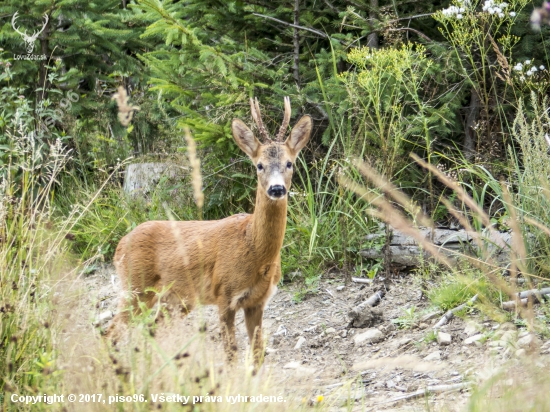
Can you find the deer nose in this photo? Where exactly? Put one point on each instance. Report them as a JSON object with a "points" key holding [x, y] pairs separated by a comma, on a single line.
{"points": [[276, 191]]}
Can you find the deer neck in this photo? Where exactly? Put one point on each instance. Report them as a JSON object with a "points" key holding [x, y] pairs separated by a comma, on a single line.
{"points": [[268, 225]]}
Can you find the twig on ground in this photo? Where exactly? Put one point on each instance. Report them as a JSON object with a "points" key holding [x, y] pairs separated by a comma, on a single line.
{"points": [[429, 389], [523, 298], [361, 280], [451, 313]]}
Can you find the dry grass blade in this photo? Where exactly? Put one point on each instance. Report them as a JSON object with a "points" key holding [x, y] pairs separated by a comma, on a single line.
{"points": [[503, 61], [389, 214], [125, 111], [195, 170], [393, 192], [460, 192]]}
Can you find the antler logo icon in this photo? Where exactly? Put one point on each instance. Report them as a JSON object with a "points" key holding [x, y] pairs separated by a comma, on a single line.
{"points": [[29, 40]]}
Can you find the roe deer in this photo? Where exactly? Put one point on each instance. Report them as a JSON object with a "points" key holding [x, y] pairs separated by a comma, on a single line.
{"points": [[233, 262]]}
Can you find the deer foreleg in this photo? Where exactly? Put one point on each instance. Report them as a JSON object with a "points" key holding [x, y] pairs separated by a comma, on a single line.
{"points": [[253, 318], [227, 328]]}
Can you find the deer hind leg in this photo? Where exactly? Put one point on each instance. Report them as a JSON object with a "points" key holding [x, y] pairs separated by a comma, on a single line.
{"points": [[177, 305], [253, 319], [227, 328], [125, 305]]}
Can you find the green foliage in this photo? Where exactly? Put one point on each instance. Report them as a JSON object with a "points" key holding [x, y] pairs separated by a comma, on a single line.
{"points": [[408, 320]]}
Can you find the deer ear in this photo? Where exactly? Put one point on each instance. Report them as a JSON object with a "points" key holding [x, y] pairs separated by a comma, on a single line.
{"points": [[245, 138], [299, 135]]}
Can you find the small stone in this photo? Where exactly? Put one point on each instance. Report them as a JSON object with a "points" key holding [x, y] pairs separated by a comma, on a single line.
{"points": [[423, 326], [370, 336], [523, 333], [300, 342], [520, 353], [344, 333], [444, 338], [328, 331], [269, 350], [340, 288], [292, 365], [433, 356], [471, 329], [390, 384], [473, 339], [400, 342], [105, 316], [529, 342], [304, 371]]}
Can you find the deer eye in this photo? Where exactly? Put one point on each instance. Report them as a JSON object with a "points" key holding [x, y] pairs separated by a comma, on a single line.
{"points": [[260, 167], [289, 165]]}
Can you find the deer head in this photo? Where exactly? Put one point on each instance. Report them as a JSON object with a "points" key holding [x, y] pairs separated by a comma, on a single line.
{"points": [[29, 40], [274, 159]]}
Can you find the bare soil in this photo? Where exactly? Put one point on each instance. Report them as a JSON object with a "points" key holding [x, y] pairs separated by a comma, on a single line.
{"points": [[329, 362]]}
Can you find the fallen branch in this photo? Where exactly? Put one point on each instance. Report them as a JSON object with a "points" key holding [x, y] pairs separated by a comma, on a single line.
{"points": [[523, 298], [362, 315], [361, 280], [371, 301], [451, 313], [429, 389]]}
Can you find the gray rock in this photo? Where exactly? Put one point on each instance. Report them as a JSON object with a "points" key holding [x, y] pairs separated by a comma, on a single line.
{"points": [[300, 342], [370, 336], [444, 338], [365, 317], [471, 329], [433, 356], [473, 339], [292, 365], [529, 342], [143, 178], [520, 353], [340, 288]]}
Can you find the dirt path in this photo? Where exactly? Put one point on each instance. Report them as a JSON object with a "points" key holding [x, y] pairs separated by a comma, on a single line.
{"points": [[331, 361]]}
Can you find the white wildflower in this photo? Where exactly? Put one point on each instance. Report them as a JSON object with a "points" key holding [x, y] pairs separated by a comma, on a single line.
{"points": [[542, 67], [459, 16], [527, 61], [534, 69], [512, 14]]}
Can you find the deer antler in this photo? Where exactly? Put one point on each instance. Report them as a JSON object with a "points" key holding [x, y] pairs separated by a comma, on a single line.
{"points": [[46, 20], [13, 19], [257, 116], [25, 35], [286, 120]]}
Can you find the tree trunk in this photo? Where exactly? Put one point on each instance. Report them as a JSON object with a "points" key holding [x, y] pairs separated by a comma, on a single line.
{"points": [[43, 70], [470, 135], [372, 38], [296, 40]]}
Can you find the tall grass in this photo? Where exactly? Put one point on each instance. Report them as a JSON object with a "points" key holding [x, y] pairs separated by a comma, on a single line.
{"points": [[32, 252]]}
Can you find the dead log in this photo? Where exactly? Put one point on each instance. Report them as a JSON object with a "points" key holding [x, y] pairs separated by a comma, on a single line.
{"points": [[536, 296], [451, 313]]}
